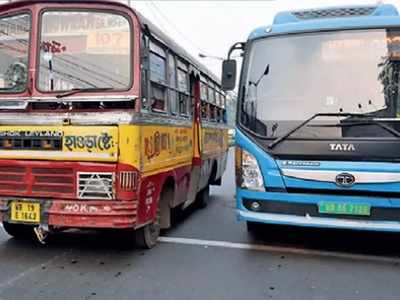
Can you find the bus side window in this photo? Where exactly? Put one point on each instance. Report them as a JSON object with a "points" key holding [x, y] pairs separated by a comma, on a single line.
{"points": [[204, 110], [158, 78], [219, 106], [183, 88], [203, 97], [211, 93], [213, 113], [211, 100], [144, 67], [172, 84], [224, 113], [224, 116]]}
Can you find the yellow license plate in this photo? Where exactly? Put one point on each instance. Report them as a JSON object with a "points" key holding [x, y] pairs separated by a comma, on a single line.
{"points": [[25, 212]]}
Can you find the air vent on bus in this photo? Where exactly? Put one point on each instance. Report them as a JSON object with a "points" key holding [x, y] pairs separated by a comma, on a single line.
{"points": [[96, 186], [128, 180], [335, 12]]}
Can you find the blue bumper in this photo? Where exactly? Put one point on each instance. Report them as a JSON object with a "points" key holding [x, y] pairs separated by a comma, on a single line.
{"points": [[321, 221]]}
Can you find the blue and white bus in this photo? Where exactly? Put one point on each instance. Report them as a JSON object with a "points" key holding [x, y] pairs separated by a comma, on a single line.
{"points": [[318, 122]]}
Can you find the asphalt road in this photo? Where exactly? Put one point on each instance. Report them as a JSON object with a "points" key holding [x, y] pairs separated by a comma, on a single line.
{"points": [[207, 255]]}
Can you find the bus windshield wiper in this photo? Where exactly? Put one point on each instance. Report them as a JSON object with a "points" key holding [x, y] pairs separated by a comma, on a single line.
{"points": [[364, 117], [78, 90]]}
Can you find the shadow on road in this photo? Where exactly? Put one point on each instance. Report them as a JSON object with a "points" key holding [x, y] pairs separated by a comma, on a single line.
{"points": [[356, 242], [102, 242]]}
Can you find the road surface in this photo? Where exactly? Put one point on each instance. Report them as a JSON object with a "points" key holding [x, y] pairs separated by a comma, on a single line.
{"points": [[207, 255]]}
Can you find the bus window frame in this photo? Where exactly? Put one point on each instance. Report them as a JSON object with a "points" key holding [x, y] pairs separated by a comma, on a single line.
{"points": [[28, 86], [211, 86], [184, 67], [158, 84], [168, 88], [172, 89], [78, 9], [144, 62], [203, 97]]}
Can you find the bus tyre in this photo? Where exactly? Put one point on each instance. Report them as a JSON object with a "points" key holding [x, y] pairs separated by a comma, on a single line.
{"points": [[218, 182], [147, 236], [19, 231], [203, 196]]}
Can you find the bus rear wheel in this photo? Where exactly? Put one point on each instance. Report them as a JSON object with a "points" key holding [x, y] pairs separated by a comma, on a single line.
{"points": [[203, 196], [19, 231], [146, 237]]}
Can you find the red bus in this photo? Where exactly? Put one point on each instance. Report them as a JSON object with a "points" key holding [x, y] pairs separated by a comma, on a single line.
{"points": [[105, 121]]}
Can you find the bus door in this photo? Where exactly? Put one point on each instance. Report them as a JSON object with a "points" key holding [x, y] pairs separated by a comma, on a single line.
{"points": [[196, 161]]}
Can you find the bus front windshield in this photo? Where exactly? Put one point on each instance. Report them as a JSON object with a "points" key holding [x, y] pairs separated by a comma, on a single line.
{"points": [[14, 50], [84, 50], [290, 78]]}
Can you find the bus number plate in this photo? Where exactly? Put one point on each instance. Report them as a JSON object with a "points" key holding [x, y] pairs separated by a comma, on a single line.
{"points": [[25, 212], [339, 208]]}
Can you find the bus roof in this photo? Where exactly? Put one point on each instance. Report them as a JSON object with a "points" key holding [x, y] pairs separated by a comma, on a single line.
{"points": [[158, 33], [331, 18]]}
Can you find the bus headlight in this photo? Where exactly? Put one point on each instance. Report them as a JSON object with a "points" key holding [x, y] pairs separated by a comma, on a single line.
{"points": [[248, 173]]}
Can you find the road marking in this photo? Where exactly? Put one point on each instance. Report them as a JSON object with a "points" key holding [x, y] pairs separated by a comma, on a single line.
{"points": [[253, 247], [279, 249]]}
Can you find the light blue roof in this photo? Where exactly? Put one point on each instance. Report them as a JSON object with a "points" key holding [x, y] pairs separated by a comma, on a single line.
{"points": [[334, 18]]}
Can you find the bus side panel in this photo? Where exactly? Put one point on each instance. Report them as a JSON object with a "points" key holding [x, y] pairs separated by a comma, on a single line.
{"points": [[214, 153], [166, 156], [151, 188], [165, 148]]}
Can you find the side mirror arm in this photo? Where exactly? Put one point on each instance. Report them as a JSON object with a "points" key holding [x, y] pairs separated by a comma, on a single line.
{"points": [[236, 46]]}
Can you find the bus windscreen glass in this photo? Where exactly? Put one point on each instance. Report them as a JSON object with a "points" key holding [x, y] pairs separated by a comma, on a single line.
{"points": [[84, 50], [14, 50], [331, 72]]}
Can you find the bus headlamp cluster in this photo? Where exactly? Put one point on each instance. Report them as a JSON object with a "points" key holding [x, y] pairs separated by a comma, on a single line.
{"points": [[249, 175]]}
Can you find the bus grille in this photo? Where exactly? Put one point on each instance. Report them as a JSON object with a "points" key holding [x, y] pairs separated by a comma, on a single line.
{"points": [[335, 13], [58, 180], [96, 185], [32, 181]]}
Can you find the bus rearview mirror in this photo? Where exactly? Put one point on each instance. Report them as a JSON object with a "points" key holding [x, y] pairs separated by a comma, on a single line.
{"points": [[228, 74]]}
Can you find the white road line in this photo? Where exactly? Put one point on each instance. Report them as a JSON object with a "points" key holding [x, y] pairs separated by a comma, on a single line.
{"points": [[272, 249], [279, 249]]}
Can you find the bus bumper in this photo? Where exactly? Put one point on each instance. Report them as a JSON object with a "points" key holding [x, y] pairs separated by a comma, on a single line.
{"points": [[308, 221], [302, 210], [79, 214]]}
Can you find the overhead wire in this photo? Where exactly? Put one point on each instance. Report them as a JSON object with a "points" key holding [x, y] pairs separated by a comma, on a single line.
{"points": [[168, 21]]}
